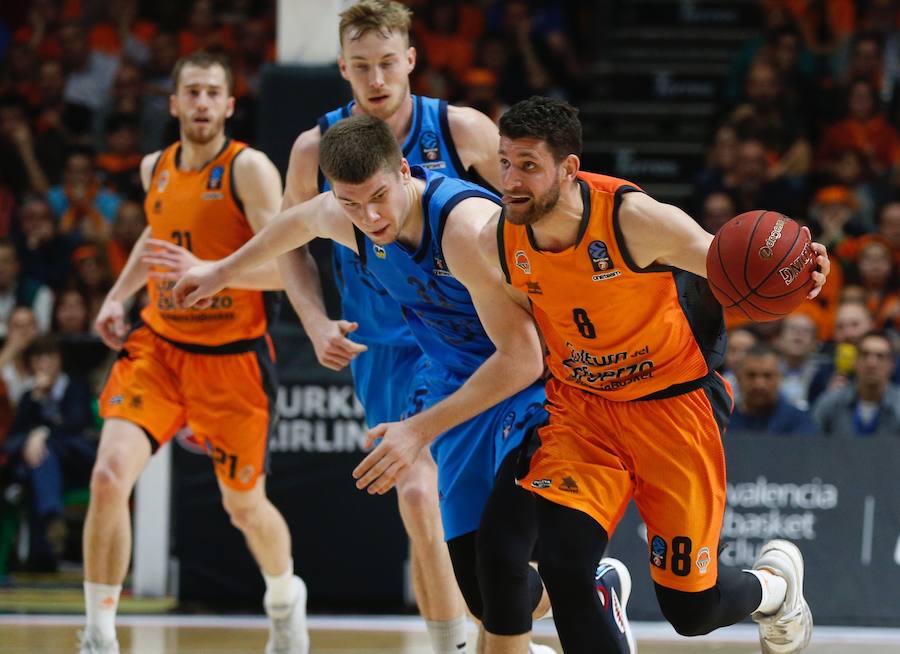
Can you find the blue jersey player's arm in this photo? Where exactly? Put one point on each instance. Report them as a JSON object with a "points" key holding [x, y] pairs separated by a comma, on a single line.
{"points": [[516, 363], [320, 217]]}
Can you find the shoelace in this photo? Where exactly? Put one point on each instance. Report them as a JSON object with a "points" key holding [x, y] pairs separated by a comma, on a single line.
{"points": [[87, 642], [777, 630], [281, 632]]}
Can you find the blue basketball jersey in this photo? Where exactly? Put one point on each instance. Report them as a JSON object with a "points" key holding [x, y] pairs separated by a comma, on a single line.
{"points": [[436, 306], [363, 299]]}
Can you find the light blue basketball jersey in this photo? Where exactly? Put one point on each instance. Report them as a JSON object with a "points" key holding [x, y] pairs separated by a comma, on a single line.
{"points": [[436, 306], [363, 299]]}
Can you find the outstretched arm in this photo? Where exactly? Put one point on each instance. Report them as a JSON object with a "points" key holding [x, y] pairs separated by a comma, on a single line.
{"points": [[258, 184], [320, 217], [516, 363], [660, 233], [299, 271]]}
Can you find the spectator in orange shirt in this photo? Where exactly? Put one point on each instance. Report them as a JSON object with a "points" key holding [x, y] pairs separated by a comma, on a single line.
{"points": [[17, 75], [768, 114], [440, 39], [41, 34], [202, 32], [127, 228], [122, 33], [876, 272], [479, 91], [84, 208], [865, 129], [119, 166]]}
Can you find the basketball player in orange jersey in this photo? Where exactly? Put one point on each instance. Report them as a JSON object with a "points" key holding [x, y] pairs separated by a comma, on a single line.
{"points": [[615, 282], [376, 59], [209, 368]]}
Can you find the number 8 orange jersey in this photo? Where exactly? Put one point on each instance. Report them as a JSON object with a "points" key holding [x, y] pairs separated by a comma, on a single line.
{"points": [[595, 308], [200, 211]]}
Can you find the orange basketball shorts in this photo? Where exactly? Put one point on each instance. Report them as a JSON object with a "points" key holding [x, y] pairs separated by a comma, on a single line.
{"points": [[226, 398], [595, 455]]}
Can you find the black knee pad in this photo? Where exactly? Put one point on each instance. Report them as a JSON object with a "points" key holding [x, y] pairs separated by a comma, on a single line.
{"points": [[510, 587], [691, 614], [463, 558]]}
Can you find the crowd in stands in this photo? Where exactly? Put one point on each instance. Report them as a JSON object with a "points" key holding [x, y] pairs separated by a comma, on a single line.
{"points": [[84, 88], [810, 126]]}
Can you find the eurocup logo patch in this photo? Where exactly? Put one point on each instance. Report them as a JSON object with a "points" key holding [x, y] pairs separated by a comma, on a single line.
{"points": [[214, 183], [658, 552], [522, 262], [599, 255], [379, 251], [431, 149]]}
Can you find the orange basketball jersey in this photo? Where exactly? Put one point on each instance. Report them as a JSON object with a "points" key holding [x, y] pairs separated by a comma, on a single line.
{"points": [[611, 328], [198, 210]]}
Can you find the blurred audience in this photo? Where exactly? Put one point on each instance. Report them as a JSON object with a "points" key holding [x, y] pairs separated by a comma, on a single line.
{"points": [[18, 290], [42, 251], [51, 447], [83, 207], [870, 405], [763, 407], [21, 330]]}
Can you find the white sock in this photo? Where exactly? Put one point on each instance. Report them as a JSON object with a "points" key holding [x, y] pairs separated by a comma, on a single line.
{"points": [[774, 589], [101, 602], [447, 636], [280, 588]]}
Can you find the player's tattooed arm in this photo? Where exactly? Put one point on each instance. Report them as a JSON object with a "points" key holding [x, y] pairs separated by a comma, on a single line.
{"points": [[516, 363], [320, 217], [476, 138], [659, 233]]}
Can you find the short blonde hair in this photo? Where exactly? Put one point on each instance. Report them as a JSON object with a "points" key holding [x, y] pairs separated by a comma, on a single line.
{"points": [[383, 16]]}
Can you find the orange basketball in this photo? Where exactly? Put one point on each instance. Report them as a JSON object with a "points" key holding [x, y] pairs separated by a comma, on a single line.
{"points": [[761, 263]]}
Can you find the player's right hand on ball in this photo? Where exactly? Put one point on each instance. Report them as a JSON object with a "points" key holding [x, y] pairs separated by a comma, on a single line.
{"points": [[333, 349], [110, 323], [199, 284]]}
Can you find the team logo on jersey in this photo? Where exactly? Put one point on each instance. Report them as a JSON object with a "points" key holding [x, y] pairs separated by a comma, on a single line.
{"points": [[523, 262], [162, 181], [214, 182], [569, 485], [440, 266], [246, 474], [157, 206], [430, 146], [379, 251], [658, 552], [703, 560], [508, 421], [601, 261]]}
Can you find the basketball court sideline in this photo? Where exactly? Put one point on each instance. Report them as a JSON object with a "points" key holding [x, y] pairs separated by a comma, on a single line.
{"points": [[196, 634]]}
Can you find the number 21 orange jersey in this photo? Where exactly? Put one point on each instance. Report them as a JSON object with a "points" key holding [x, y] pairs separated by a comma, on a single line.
{"points": [[199, 210], [611, 328]]}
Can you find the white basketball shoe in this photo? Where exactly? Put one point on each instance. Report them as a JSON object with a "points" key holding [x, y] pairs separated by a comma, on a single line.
{"points": [[789, 629], [288, 632]]}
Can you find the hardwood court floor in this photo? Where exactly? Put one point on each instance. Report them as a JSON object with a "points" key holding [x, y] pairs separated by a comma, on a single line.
{"points": [[349, 635]]}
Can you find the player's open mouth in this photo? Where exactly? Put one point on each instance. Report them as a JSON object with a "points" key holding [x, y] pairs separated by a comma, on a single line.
{"points": [[377, 99], [515, 199], [201, 121], [379, 233]]}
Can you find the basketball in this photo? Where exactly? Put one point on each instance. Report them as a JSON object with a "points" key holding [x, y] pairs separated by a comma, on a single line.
{"points": [[761, 264]]}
